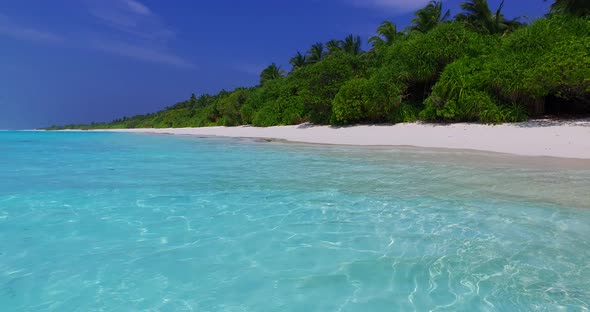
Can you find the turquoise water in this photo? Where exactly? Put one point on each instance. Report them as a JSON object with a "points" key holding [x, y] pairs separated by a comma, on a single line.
{"points": [[123, 222]]}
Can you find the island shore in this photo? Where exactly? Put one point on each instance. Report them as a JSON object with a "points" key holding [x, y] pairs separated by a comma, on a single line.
{"points": [[565, 139]]}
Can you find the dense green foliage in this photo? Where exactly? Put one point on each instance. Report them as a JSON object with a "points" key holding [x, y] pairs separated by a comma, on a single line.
{"points": [[477, 14], [479, 67], [571, 7], [549, 58], [429, 17]]}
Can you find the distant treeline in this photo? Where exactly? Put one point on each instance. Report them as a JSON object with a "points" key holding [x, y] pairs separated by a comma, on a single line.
{"points": [[478, 66]]}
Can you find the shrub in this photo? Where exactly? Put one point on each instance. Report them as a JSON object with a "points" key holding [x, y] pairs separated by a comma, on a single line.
{"points": [[266, 117], [376, 100], [319, 83], [229, 107], [275, 103], [550, 56], [406, 112], [386, 93], [500, 114], [421, 57], [287, 110], [468, 106], [351, 103]]}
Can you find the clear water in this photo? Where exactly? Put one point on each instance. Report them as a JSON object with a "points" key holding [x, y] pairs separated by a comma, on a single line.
{"points": [[122, 222]]}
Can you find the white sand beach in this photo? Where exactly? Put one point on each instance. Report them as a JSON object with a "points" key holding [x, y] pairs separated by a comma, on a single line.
{"points": [[567, 139]]}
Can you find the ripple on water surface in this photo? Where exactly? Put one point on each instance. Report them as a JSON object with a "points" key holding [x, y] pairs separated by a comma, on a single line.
{"points": [[120, 222]]}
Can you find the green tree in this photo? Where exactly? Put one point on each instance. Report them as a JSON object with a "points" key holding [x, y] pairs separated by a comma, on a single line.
{"points": [[334, 45], [271, 72], [318, 83], [316, 53], [350, 103], [298, 61], [352, 45], [441, 71], [548, 59], [193, 101], [571, 7], [477, 14], [429, 17], [229, 107], [387, 34]]}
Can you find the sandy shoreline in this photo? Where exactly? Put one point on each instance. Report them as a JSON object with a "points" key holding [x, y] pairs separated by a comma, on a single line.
{"points": [[565, 139]]}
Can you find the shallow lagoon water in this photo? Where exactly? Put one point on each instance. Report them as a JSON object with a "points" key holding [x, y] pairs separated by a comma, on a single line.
{"points": [[124, 222]]}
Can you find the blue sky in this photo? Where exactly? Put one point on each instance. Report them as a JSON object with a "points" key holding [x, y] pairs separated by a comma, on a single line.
{"points": [[77, 61]]}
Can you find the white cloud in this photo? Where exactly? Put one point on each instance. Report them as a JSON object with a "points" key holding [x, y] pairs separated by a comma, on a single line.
{"points": [[141, 53], [402, 6], [11, 29], [132, 18], [138, 8], [132, 30]]}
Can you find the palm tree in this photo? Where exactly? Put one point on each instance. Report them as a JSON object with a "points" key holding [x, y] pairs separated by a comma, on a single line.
{"points": [[352, 45], [477, 13], [572, 7], [334, 45], [271, 72], [429, 17], [316, 53], [298, 61], [387, 34]]}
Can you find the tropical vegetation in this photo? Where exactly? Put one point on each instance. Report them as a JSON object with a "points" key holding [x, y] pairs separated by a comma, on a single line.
{"points": [[479, 66]]}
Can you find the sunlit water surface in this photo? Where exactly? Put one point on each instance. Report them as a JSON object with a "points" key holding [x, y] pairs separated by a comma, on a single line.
{"points": [[123, 222]]}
